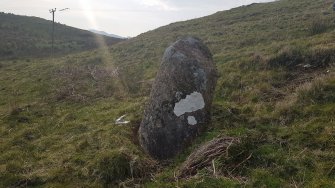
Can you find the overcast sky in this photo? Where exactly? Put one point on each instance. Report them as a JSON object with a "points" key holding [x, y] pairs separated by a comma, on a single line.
{"points": [[121, 17]]}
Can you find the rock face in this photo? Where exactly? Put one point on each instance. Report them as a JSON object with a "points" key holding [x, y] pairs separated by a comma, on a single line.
{"points": [[181, 98]]}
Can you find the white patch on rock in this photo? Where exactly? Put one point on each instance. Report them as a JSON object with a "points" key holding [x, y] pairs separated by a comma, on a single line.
{"points": [[191, 120], [191, 103]]}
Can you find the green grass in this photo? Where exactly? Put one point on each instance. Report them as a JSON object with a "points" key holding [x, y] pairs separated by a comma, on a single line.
{"points": [[57, 116], [62, 141]]}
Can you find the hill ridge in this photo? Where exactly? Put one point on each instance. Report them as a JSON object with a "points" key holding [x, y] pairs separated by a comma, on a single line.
{"points": [[29, 36]]}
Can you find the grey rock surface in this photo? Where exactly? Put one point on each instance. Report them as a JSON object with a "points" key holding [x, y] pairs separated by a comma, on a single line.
{"points": [[180, 100]]}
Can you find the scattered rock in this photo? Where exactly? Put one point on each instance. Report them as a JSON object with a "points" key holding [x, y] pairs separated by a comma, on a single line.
{"points": [[307, 66], [181, 98]]}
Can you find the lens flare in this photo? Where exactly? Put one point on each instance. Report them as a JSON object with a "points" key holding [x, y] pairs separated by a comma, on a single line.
{"points": [[103, 47], [90, 16]]}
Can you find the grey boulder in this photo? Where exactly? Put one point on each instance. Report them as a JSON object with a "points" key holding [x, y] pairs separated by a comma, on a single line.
{"points": [[180, 100]]}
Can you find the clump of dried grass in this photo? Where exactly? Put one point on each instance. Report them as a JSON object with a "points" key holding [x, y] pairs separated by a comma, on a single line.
{"points": [[204, 155]]}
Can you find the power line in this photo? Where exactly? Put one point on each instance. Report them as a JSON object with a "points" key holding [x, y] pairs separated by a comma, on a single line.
{"points": [[64, 9]]}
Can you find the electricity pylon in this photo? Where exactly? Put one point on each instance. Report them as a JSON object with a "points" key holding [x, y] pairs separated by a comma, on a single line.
{"points": [[52, 11]]}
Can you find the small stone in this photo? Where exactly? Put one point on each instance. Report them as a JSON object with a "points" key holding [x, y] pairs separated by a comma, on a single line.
{"points": [[180, 100]]}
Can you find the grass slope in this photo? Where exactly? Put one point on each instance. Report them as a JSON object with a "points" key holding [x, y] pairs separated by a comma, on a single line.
{"points": [[275, 93], [23, 36]]}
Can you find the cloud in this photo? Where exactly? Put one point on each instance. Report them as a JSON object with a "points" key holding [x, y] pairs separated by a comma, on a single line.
{"points": [[125, 17], [160, 4]]}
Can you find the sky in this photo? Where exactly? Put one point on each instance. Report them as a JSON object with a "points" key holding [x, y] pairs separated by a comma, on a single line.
{"points": [[126, 18]]}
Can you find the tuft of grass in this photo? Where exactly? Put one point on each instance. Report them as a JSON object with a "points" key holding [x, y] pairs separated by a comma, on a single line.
{"points": [[319, 27], [114, 166]]}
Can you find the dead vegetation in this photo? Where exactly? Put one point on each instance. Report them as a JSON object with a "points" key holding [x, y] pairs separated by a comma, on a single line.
{"points": [[300, 94], [299, 60], [80, 83], [205, 155]]}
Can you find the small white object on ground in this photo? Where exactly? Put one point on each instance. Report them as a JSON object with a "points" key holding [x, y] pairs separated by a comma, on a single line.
{"points": [[121, 121], [307, 66]]}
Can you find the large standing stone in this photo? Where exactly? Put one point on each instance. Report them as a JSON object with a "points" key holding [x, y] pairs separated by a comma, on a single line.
{"points": [[181, 98]]}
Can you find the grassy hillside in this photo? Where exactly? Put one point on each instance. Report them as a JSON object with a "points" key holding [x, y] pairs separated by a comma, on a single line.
{"points": [[275, 94], [31, 36]]}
